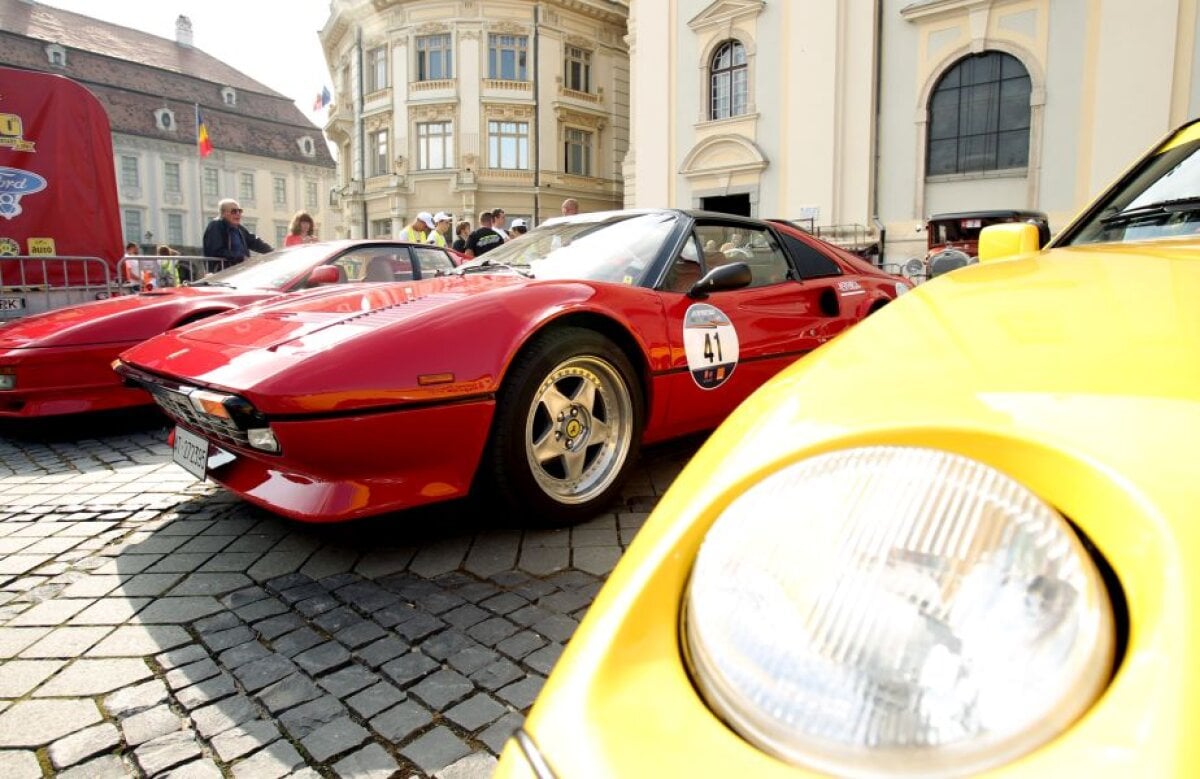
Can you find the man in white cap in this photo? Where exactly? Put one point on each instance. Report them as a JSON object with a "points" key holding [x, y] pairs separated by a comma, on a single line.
{"points": [[518, 228], [418, 231], [442, 222]]}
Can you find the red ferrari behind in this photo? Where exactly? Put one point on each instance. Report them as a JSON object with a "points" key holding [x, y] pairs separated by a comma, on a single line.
{"points": [[60, 362], [537, 370]]}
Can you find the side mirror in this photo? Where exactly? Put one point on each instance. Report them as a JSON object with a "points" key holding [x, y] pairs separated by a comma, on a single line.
{"points": [[734, 275], [323, 274], [1004, 241]]}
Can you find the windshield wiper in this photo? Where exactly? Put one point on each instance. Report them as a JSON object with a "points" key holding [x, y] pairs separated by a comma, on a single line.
{"points": [[205, 283], [1153, 211], [485, 265]]}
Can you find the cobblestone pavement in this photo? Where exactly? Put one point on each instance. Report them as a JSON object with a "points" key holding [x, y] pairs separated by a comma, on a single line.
{"points": [[151, 625]]}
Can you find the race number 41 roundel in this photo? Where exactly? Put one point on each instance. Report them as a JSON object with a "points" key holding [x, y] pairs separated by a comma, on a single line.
{"points": [[711, 345]]}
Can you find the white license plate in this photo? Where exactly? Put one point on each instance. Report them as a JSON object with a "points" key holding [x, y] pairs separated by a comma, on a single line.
{"points": [[12, 304], [191, 452]]}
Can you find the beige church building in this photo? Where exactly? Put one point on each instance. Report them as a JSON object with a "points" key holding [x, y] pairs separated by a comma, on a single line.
{"points": [[870, 116]]}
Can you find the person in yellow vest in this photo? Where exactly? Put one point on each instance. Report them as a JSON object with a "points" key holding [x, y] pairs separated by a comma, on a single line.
{"points": [[441, 229], [417, 232]]}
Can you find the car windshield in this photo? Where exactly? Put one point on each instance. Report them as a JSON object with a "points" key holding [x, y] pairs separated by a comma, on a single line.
{"points": [[268, 271], [617, 249], [1160, 199], [956, 230]]}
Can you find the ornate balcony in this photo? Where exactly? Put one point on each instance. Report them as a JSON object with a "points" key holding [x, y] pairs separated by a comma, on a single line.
{"points": [[510, 86], [434, 85]]}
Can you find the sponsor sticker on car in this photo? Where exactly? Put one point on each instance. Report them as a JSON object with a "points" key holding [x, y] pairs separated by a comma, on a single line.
{"points": [[12, 304], [711, 344]]}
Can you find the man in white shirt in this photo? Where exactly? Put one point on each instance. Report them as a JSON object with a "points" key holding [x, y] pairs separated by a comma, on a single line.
{"points": [[498, 222]]}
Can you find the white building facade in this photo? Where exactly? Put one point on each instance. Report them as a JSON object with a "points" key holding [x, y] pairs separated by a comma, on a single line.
{"points": [[881, 113]]}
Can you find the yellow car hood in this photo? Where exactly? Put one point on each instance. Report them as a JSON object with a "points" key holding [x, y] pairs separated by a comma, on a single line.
{"points": [[1111, 319]]}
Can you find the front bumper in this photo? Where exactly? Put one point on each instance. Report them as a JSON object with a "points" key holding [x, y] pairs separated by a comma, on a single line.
{"points": [[336, 467], [65, 380], [340, 468]]}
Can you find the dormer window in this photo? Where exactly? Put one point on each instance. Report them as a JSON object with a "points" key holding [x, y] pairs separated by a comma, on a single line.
{"points": [[229, 95], [164, 119], [56, 55], [307, 147]]}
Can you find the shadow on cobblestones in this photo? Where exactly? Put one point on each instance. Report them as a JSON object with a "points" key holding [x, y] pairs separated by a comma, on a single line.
{"points": [[84, 426], [150, 623]]}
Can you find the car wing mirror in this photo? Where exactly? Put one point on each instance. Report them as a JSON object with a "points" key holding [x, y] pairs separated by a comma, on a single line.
{"points": [[323, 274], [1005, 241], [734, 275]]}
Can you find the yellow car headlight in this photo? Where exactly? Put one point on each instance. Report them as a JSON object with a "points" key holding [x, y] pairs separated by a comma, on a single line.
{"points": [[894, 610]]}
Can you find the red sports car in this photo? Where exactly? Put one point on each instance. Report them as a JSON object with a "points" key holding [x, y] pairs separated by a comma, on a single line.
{"points": [[536, 370], [60, 362]]}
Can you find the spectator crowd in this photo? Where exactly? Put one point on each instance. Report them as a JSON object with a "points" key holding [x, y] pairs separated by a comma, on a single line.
{"points": [[230, 242]]}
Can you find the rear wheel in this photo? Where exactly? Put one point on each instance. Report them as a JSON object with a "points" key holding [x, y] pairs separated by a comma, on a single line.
{"points": [[568, 426]]}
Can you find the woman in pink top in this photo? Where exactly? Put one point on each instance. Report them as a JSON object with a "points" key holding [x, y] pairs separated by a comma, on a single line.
{"points": [[301, 230]]}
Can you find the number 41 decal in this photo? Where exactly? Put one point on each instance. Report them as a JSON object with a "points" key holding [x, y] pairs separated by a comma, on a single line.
{"points": [[711, 345]]}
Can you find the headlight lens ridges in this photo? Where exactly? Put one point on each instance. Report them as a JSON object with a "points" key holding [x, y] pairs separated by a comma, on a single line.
{"points": [[893, 610]]}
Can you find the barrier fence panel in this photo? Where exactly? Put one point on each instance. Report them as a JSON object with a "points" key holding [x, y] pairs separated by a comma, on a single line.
{"points": [[151, 271], [30, 285]]}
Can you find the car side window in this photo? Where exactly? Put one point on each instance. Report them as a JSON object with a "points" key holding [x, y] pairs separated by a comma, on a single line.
{"points": [[432, 262], [810, 262], [756, 246], [686, 269], [352, 266]]}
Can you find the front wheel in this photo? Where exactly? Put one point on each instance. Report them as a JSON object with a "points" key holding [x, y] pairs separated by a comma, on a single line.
{"points": [[568, 426]]}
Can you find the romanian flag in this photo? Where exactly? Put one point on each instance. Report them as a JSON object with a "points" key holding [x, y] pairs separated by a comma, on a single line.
{"points": [[323, 99], [202, 141]]}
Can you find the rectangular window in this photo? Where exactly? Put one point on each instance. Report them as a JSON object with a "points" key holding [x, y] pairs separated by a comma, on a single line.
{"points": [[310, 195], [279, 191], [129, 172], [435, 57], [377, 75], [171, 182], [246, 188], [508, 145], [381, 228], [578, 152], [133, 225], [175, 229], [508, 57], [379, 153], [211, 182], [281, 230], [435, 145], [578, 69]]}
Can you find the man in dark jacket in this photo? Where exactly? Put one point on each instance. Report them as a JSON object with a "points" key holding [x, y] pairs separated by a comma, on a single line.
{"points": [[227, 239]]}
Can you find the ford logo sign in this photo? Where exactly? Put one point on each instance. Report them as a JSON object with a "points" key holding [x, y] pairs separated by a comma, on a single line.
{"points": [[15, 183]]}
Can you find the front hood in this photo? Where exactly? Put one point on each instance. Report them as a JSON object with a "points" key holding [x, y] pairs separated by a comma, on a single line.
{"points": [[1080, 345], [1106, 319], [116, 320], [362, 346], [341, 312]]}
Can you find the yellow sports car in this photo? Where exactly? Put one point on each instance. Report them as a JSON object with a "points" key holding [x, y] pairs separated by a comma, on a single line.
{"points": [[962, 538]]}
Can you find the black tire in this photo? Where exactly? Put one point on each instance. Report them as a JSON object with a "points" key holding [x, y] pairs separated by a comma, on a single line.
{"points": [[567, 430]]}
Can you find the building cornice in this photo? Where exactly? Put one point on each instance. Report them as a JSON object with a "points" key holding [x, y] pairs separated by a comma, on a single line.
{"points": [[925, 9], [724, 13]]}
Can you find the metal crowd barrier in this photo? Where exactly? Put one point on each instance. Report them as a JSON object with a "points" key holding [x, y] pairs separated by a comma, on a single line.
{"points": [[176, 269], [30, 285]]}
